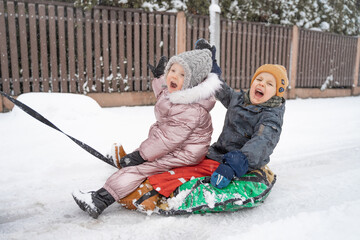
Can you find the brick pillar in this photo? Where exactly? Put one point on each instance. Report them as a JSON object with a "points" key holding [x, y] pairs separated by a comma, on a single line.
{"points": [[293, 61], [180, 32]]}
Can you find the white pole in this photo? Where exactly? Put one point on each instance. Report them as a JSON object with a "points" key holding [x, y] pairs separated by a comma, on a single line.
{"points": [[214, 27]]}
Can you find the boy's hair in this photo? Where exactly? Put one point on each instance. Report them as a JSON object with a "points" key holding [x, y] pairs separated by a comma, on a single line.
{"points": [[280, 74], [196, 63]]}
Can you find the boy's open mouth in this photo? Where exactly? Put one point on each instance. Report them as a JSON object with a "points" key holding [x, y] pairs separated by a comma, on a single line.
{"points": [[259, 93], [173, 85]]}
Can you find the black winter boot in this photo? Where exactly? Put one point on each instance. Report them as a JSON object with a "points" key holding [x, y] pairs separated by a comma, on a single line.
{"points": [[92, 202]]}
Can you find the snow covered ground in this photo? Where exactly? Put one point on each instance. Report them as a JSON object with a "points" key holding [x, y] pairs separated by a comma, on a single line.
{"points": [[317, 162]]}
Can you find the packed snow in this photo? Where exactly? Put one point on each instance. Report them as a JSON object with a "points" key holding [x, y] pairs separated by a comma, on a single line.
{"points": [[317, 162]]}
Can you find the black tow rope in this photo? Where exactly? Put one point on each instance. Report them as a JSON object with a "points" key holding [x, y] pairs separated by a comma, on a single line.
{"points": [[42, 119]]}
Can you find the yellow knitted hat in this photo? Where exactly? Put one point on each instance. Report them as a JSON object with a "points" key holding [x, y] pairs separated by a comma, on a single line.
{"points": [[280, 74]]}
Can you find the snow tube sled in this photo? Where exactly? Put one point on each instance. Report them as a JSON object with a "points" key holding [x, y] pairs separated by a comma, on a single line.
{"points": [[198, 196], [144, 198]]}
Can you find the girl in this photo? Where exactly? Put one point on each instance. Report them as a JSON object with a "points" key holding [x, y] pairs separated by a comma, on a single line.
{"points": [[180, 137]]}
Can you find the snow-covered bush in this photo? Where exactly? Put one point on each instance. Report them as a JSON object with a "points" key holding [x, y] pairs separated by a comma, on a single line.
{"points": [[338, 16]]}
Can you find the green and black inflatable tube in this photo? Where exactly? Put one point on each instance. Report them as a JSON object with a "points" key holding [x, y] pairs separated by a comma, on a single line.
{"points": [[199, 196]]}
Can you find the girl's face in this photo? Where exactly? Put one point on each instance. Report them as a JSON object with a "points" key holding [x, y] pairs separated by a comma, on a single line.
{"points": [[175, 77], [263, 88]]}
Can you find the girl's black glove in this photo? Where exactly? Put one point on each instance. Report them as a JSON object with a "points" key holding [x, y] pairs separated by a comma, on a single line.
{"points": [[159, 69], [131, 159]]}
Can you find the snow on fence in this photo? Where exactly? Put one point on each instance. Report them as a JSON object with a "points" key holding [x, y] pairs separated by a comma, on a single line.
{"points": [[52, 46], [47, 46], [323, 56], [245, 46]]}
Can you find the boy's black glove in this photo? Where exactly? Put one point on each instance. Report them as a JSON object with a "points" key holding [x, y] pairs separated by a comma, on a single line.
{"points": [[203, 44], [159, 69], [131, 159]]}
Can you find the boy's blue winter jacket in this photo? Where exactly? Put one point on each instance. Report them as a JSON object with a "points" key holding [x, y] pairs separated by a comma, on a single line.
{"points": [[254, 130]]}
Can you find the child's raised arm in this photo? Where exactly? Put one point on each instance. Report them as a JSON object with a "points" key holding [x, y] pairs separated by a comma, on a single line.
{"points": [[158, 71], [224, 95]]}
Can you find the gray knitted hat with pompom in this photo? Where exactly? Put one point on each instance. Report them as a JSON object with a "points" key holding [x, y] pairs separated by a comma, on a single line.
{"points": [[196, 63]]}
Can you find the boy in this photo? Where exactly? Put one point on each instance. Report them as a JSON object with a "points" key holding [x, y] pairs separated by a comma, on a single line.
{"points": [[252, 124]]}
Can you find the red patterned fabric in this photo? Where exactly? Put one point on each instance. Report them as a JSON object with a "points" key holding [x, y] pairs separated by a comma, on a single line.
{"points": [[165, 183]]}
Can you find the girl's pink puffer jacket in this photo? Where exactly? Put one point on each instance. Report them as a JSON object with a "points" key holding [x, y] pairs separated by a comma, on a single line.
{"points": [[180, 137], [183, 128]]}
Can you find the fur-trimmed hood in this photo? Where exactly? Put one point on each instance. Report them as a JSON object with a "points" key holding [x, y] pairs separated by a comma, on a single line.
{"points": [[200, 92]]}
